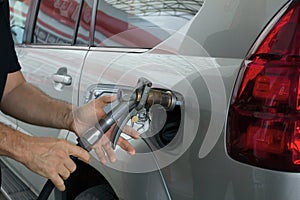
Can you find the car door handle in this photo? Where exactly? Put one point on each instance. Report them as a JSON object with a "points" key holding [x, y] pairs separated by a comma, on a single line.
{"points": [[62, 77]]}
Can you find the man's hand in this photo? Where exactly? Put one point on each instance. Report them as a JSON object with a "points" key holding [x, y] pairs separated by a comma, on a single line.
{"points": [[104, 147], [50, 157], [88, 115]]}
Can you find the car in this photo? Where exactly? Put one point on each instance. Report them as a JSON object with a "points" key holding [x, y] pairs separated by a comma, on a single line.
{"points": [[232, 67]]}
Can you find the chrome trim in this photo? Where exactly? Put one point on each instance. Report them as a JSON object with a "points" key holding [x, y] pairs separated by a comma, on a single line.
{"points": [[38, 46], [75, 33], [93, 23], [29, 24], [119, 49]]}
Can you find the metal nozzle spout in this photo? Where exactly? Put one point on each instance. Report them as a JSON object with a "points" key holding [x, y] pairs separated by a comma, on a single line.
{"points": [[164, 98]]}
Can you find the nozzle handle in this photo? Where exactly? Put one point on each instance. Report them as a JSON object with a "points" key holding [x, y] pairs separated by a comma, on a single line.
{"points": [[92, 135], [89, 138]]}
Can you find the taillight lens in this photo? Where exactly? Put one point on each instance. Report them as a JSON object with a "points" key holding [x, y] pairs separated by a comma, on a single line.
{"points": [[264, 116]]}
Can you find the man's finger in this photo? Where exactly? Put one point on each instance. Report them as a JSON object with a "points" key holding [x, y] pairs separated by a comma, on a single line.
{"points": [[70, 165], [109, 99], [58, 182], [79, 152], [124, 144], [131, 132], [101, 154], [64, 173], [107, 147], [106, 99], [110, 152]]}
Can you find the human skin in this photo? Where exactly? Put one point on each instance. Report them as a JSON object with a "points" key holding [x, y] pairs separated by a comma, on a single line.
{"points": [[50, 157]]}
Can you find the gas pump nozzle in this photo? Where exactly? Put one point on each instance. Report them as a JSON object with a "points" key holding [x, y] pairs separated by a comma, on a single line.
{"points": [[142, 97]]}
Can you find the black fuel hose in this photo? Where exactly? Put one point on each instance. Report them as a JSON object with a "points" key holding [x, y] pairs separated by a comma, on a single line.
{"points": [[46, 191], [49, 186]]}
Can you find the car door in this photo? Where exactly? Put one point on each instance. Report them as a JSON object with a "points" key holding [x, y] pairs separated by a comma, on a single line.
{"points": [[51, 49], [55, 50]]}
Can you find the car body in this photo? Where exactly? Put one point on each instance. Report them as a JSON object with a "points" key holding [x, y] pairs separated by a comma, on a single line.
{"points": [[194, 48]]}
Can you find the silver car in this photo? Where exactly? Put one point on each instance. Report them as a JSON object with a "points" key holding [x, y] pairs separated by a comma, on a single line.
{"points": [[234, 65]]}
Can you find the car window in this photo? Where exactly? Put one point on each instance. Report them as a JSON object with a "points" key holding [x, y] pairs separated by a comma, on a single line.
{"points": [[18, 16], [56, 22], [140, 23]]}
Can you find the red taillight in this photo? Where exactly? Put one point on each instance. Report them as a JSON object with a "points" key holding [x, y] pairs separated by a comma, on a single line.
{"points": [[264, 116]]}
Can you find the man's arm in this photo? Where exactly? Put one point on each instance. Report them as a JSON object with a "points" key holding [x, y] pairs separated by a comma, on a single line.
{"points": [[48, 157], [27, 103]]}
